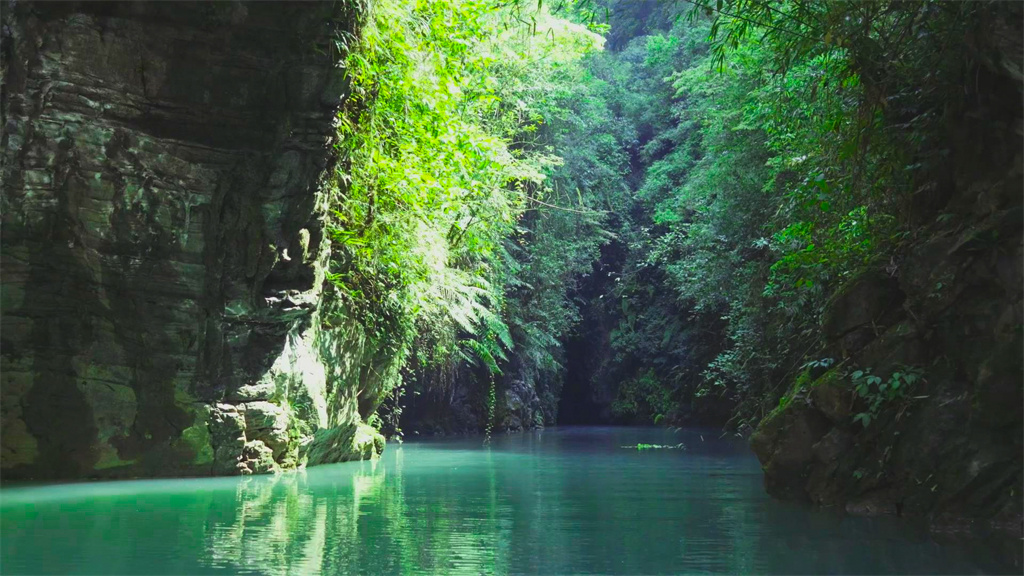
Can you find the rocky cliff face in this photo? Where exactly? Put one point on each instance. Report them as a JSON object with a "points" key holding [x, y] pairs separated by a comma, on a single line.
{"points": [[948, 446], [162, 245], [947, 443], [523, 400]]}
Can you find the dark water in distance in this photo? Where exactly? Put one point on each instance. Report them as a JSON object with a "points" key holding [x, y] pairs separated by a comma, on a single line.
{"points": [[560, 501]]}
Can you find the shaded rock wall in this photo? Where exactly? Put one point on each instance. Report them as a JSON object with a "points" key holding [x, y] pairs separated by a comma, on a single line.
{"points": [[951, 305], [950, 446], [437, 403], [161, 243]]}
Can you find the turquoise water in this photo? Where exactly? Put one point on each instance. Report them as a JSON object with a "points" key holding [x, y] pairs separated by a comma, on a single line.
{"points": [[561, 501]]}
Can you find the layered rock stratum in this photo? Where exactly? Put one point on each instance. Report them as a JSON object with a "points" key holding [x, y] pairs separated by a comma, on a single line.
{"points": [[162, 242]]}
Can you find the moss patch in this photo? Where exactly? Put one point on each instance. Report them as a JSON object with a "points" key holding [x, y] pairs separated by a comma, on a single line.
{"points": [[343, 443]]}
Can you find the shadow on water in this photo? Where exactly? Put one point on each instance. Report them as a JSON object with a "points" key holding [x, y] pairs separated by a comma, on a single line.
{"points": [[567, 500]]}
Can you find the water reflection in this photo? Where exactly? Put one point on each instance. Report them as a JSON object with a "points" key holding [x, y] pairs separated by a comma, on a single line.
{"points": [[334, 519], [280, 526], [560, 502]]}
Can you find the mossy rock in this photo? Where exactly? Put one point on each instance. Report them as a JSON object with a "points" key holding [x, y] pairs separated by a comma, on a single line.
{"points": [[258, 458], [832, 396], [344, 443], [784, 443]]}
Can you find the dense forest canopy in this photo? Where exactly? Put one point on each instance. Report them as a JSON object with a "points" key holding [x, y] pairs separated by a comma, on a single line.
{"points": [[695, 191]]}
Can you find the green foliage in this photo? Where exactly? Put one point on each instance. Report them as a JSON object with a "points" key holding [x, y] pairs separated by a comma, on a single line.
{"points": [[423, 170], [641, 446], [775, 150], [878, 392], [643, 397], [718, 178], [375, 421], [443, 161]]}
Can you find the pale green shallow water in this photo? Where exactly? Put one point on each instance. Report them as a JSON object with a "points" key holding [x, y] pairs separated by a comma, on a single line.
{"points": [[562, 501]]}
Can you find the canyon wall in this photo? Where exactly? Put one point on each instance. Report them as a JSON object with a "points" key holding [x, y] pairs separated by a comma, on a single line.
{"points": [[948, 309], [164, 168]]}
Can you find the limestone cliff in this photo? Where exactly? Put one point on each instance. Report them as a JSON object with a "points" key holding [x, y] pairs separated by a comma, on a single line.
{"points": [[162, 244], [949, 307]]}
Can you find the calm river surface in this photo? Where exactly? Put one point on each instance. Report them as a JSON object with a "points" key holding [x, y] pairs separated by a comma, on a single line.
{"points": [[561, 501]]}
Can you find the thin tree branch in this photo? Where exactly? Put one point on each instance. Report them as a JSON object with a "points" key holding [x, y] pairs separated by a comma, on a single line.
{"points": [[591, 212]]}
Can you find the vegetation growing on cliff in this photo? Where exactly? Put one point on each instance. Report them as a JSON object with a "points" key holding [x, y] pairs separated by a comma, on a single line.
{"points": [[799, 218], [442, 166], [716, 177], [776, 153]]}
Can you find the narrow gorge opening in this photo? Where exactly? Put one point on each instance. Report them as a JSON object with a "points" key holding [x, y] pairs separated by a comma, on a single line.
{"points": [[588, 390]]}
